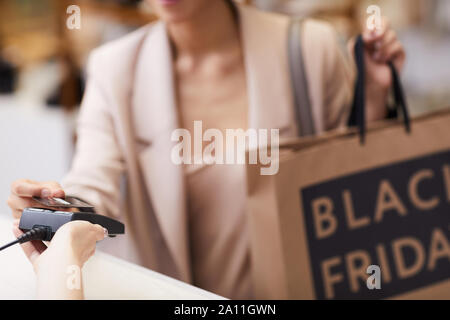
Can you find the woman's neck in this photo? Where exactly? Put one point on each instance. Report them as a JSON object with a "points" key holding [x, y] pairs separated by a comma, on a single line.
{"points": [[210, 30]]}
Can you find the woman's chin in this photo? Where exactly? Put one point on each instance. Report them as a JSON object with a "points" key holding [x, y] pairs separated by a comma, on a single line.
{"points": [[168, 3], [174, 18], [176, 11]]}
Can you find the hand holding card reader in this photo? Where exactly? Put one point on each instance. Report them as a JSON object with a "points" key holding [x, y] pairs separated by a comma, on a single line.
{"points": [[42, 223], [53, 220]]}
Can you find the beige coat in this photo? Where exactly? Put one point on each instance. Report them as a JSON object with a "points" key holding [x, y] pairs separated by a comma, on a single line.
{"points": [[122, 163]]}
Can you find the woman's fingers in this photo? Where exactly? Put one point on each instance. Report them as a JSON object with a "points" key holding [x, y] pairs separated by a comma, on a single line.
{"points": [[373, 37], [396, 53], [29, 188], [55, 189], [26, 188], [388, 40], [23, 190], [391, 50], [383, 45], [17, 204]]}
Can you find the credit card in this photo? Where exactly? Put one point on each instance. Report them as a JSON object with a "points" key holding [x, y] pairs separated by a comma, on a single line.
{"points": [[67, 202]]}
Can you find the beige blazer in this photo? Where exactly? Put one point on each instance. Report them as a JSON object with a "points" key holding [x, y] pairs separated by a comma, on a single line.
{"points": [[122, 163]]}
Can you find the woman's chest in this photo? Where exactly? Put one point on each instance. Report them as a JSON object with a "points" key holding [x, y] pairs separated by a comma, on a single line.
{"points": [[219, 102]]}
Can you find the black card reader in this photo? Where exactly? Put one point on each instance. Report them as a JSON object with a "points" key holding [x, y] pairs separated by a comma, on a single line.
{"points": [[52, 220]]}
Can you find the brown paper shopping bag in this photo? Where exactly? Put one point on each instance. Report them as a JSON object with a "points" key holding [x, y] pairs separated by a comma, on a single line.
{"points": [[338, 206]]}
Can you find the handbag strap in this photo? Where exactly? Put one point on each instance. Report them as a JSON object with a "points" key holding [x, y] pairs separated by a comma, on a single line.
{"points": [[302, 104], [357, 116]]}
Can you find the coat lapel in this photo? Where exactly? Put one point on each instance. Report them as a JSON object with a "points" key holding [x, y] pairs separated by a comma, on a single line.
{"points": [[155, 117], [268, 79]]}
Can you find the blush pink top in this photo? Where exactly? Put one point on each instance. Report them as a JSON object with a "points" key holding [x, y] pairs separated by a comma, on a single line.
{"points": [[218, 229]]}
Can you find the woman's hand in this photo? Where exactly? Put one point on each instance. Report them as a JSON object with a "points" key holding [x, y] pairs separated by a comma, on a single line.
{"points": [[23, 190], [69, 249], [381, 46]]}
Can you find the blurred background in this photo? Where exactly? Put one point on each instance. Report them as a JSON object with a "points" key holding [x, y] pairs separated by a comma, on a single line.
{"points": [[42, 66]]}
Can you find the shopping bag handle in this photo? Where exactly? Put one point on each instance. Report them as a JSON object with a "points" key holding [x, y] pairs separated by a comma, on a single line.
{"points": [[357, 115]]}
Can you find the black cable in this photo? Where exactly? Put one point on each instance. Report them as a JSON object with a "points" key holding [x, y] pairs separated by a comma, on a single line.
{"points": [[37, 233], [9, 245]]}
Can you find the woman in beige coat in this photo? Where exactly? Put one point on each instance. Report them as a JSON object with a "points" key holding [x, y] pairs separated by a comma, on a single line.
{"points": [[204, 60]]}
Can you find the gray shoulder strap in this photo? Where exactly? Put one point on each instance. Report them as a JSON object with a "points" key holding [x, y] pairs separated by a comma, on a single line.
{"points": [[302, 104]]}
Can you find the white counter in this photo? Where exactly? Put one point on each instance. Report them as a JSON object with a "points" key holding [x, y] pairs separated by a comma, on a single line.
{"points": [[104, 277]]}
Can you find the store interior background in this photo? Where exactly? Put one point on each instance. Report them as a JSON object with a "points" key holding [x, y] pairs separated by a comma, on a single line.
{"points": [[42, 65]]}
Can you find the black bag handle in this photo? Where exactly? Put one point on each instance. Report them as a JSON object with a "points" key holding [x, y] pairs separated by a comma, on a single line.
{"points": [[357, 116]]}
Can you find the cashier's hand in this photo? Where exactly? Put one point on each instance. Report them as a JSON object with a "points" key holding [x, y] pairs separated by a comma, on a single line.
{"points": [[73, 244], [381, 46], [23, 190]]}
